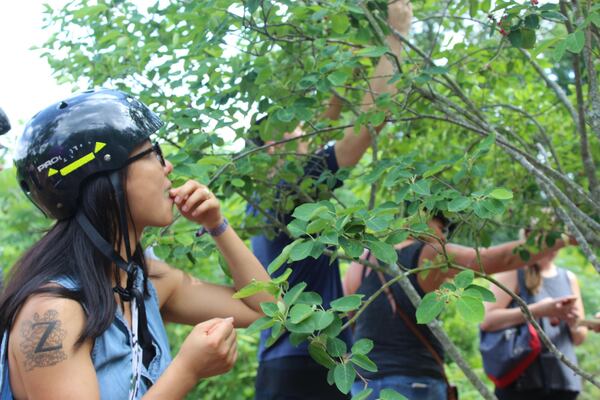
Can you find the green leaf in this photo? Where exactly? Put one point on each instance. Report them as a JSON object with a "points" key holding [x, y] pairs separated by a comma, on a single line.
{"points": [[260, 325], [317, 226], [422, 187], [372, 52], [284, 114], [528, 38], [310, 298], [595, 18], [291, 296], [336, 347], [575, 42], [90, 11], [364, 362], [337, 78], [485, 293], [283, 277], [473, 5], [334, 328], [532, 21], [378, 224], [352, 247], [501, 194], [329, 237], [308, 81], [464, 279], [559, 51], [384, 252], [281, 258], [300, 312], [429, 308], [297, 338], [322, 319], [390, 394], [362, 346], [470, 308], [397, 237], [339, 23], [318, 353], [494, 206], [301, 250], [307, 211], [554, 15], [363, 395], [459, 204], [270, 309], [297, 228], [344, 376], [251, 289], [347, 303]]}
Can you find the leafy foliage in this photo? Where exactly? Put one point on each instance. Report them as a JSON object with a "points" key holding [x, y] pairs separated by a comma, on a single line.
{"points": [[486, 128]]}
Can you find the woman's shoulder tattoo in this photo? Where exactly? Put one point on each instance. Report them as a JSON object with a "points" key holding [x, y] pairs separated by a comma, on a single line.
{"points": [[42, 340]]}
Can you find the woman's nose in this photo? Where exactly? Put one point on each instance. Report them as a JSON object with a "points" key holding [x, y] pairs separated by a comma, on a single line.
{"points": [[168, 167]]}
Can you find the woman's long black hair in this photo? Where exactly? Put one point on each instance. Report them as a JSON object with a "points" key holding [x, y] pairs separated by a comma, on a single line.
{"points": [[66, 251]]}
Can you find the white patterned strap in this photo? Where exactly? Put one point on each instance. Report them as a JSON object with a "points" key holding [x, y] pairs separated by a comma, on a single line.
{"points": [[136, 353]]}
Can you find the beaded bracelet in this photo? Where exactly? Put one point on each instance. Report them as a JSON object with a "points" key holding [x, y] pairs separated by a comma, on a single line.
{"points": [[214, 232]]}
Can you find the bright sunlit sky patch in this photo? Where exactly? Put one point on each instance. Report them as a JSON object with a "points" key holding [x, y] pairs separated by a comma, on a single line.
{"points": [[26, 82]]}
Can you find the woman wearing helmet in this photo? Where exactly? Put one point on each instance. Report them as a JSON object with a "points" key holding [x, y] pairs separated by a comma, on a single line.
{"points": [[81, 316]]}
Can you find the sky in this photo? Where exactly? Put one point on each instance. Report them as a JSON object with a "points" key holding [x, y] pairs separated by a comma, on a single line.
{"points": [[26, 82]]}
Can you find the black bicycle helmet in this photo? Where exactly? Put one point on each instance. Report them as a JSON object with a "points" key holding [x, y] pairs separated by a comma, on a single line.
{"points": [[4, 123], [87, 134]]}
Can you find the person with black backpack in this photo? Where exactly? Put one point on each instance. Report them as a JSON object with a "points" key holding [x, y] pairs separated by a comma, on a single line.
{"points": [[554, 300], [409, 358]]}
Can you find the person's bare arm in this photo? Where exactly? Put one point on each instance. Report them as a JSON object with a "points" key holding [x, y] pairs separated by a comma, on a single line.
{"points": [[44, 361], [498, 316], [578, 332], [352, 279], [189, 300], [350, 149], [493, 259]]}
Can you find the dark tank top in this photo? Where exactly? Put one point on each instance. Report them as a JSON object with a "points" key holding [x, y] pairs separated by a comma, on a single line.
{"points": [[396, 351]]}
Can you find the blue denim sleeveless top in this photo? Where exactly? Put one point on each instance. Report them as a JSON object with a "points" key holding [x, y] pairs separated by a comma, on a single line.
{"points": [[111, 354]]}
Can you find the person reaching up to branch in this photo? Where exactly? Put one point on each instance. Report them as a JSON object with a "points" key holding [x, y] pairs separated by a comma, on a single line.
{"points": [[408, 356], [287, 371]]}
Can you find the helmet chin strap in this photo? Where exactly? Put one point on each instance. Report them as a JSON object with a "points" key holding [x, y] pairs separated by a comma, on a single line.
{"points": [[133, 292]]}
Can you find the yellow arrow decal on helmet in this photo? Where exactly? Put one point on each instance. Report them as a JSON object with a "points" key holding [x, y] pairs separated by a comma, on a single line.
{"points": [[79, 162]]}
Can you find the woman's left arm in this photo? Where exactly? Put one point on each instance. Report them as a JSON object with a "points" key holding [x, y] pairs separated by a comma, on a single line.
{"points": [[578, 332], [188, 300]]}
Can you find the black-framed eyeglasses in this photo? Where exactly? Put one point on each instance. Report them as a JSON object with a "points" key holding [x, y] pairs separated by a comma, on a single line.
{"points": [[154, 149]]}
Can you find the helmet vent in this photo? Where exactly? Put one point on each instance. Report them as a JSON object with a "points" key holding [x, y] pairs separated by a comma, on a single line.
{"points": [[62, 105]]}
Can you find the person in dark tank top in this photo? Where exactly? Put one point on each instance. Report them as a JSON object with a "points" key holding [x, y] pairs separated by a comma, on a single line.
{"points": [[405, 363], [554, 298]]}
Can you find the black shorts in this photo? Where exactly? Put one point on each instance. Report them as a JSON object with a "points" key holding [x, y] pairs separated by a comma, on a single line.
{"points": [[294, 378]]}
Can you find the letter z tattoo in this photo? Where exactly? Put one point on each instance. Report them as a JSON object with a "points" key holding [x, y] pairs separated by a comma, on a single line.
{"points": [[42, 340]]}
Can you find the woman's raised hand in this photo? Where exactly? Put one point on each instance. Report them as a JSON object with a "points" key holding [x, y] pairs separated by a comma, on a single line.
{"points": [[197, 203]]}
